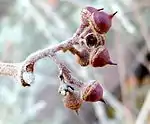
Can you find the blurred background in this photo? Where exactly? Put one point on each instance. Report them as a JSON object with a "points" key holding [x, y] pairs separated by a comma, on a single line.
{"points": [[28, 25]]}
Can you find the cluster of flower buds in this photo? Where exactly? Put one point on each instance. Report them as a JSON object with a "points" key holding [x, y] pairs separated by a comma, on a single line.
{"points": [[95, 23], [89, 92]]}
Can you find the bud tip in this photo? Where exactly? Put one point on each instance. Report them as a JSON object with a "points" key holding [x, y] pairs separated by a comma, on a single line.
{"points": [[112, 15], [102, 100], [111, 63], [100, 9]]}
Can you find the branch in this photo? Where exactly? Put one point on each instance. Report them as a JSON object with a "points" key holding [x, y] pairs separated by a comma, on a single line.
{"points": [[28, 64], [23, 71], [73, 96], [9, 69]]}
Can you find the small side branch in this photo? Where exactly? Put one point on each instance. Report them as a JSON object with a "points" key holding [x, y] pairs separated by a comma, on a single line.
{"points": [[9, 69]]}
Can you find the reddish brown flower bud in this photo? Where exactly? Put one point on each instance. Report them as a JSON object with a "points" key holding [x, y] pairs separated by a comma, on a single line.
{"points": [[92, 92], [72, 101], [102, 21], [87, 12], [99, 57]]}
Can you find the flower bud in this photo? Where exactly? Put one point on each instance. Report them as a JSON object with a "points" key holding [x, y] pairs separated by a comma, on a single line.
{"points": [[99, 57], [72, 101], [102, 21], [92, 92], [87, 12]]}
